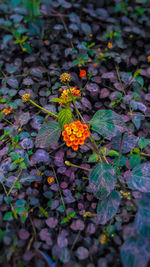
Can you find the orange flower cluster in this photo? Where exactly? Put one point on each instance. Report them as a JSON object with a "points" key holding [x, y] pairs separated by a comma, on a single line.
{"points": [[75, 134], [7, 111], [148, 59], [103, 239], [65, 93], [82, 73]]}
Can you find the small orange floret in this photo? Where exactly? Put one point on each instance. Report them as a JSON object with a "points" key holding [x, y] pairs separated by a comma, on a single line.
{"points": [[101, 54], [82, 73], [7, 111], [103, 239], [75, 134], [95, 64], [109, 45], [35, 185], [50, 180], [148, 59], [65, 93], [74, 147]]}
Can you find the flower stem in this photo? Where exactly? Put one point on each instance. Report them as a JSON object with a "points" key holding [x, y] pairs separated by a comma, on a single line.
{"points": [[68, 163], [77, 112], [49, 112]]}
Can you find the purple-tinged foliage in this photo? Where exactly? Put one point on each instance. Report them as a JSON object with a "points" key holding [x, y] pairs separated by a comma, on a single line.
{"points": [[128, 143], [139, 178], [135, 252], [108, 207], [40, 156], [102, 180], [27, 143]]}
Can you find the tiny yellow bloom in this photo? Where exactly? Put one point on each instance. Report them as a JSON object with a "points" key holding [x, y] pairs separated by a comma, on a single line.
{"points": [[25, 97]]}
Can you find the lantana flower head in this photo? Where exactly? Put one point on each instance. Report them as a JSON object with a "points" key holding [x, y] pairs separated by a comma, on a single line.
{"points": [[65, 77], [7, 111], [66, 93], [25, 97], [75, 134], [82, 73]]}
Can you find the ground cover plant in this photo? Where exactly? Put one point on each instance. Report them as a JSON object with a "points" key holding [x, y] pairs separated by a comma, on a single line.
{"points": [[74, 133]]}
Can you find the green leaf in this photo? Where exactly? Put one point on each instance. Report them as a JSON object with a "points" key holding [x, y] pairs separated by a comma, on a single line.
{"points": [[64, 117], [20, 203], [140, 178], [102, 180], [93, 158], [14, 155], [137, 72], [23, 165], [57, 100], [72, 214], [112, 153], [20, 210], [8, 216], [135, 252], [142, 219], [140, 80], [48, 134], [1, 235], [134, 160], [143, 142], [75, 62], [27, 47], [64, 220], [107, 123], [108, 207]]}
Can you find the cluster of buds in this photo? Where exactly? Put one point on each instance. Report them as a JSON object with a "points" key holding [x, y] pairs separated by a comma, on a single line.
{"points": [[7, 111], [25, 97], [65, 77], [75, 134], [126, 195], [66, 92]]}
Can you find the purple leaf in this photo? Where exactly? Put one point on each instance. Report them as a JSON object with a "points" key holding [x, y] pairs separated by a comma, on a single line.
{"points": [[82, 253], [77, 225], [51, 222], [23, 234]]}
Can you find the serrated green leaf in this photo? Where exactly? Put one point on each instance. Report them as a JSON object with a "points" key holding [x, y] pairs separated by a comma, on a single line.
{"points": [[64, 117], [102, 180], [139, 178], [107, 123], [135, 252], [48, 134]]}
